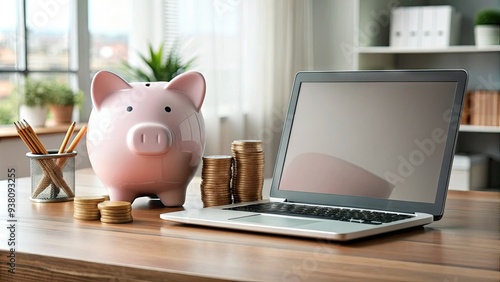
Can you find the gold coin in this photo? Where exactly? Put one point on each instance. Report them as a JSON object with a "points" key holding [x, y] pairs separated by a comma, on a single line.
{"points": [[247, 141], [217, 158], [247, 144], [114, 213], [214, 184], [123, 217], [96, 211], [83, 212], [88, 199], [85, 206], [114, 205], [116, 209]]}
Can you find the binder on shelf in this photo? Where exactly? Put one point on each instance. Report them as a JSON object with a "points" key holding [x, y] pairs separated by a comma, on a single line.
{"points": [[427, 16], [397, 36], [414, 27], [424, 27], [447, 23]]}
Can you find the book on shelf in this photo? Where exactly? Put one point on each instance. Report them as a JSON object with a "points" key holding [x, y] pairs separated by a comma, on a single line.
{"points": [[482, 107]]}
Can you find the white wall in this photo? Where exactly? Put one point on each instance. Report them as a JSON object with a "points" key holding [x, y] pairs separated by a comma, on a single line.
{"points": [[333, 26]]}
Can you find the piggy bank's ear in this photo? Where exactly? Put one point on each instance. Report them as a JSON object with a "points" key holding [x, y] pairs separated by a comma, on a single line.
{"points": [[191, 84], [105, 83]]}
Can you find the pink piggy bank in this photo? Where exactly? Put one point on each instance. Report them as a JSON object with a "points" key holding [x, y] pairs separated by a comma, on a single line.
{"points": [[146, 139]]}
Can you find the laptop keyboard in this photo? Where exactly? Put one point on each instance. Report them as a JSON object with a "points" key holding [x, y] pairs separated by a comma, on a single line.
{"points": [[342, 214]]}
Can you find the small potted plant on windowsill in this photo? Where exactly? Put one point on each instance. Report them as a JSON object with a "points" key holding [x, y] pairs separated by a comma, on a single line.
{"points": [[33, 101], [62, 100], [487, 27]]}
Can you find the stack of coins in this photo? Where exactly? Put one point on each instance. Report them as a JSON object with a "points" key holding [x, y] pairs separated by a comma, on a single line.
{"points": [[115, 211], [216, 180], [85, 208], [248, 170]]}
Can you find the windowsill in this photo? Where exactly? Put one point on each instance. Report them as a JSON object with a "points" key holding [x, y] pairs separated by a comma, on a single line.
{"points": [[11, 132]]}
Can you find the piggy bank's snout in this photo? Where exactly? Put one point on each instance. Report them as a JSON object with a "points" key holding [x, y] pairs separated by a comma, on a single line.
{"points": [[149, 139]]}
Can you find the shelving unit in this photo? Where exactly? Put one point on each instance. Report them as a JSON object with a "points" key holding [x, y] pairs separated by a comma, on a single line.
{"points": [[357, 37], [451, 49], [482, 63], [479, 128]]}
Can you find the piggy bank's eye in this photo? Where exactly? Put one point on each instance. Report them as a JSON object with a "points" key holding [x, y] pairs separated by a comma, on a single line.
{"points": [[129, 108], [168, 109]]}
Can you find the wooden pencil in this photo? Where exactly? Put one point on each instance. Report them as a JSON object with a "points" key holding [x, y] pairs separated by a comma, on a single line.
{"points": [[62, 161], [52, 172], [70, 131]]}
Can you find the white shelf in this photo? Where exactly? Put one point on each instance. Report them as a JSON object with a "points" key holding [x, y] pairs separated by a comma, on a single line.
{"points": [[451, 49], [479, 128]]}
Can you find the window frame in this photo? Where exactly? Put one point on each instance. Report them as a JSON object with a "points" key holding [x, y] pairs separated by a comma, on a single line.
{"points": [[78, 70]]}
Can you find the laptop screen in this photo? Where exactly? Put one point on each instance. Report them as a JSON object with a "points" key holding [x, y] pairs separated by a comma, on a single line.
{"points": [[385, 136]]}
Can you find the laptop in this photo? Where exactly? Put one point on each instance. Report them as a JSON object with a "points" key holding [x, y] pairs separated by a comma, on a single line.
{"points": [[361, 153]]}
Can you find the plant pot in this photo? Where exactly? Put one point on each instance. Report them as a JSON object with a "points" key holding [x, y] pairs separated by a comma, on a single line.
{"points": [[487, 35], [61, 114], [35, 116]]}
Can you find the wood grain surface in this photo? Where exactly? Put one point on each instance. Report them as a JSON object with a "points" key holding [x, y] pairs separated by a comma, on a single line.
{"points": [[52, 246]]}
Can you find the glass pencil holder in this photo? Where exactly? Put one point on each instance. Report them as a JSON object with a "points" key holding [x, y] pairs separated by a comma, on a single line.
{"points": [[52, 176]]}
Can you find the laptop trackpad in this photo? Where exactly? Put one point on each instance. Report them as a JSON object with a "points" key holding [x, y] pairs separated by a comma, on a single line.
{"points": [[272, 220]]}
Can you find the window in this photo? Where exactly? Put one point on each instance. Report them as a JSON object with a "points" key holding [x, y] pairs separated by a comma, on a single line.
{"points": [[9, 48], [36, 42], [109, 26], [47, 28]]}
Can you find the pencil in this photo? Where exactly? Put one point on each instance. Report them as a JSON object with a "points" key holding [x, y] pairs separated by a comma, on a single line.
{"points": [[70, 131], [52, 172], [77, 139], [62, 161]]}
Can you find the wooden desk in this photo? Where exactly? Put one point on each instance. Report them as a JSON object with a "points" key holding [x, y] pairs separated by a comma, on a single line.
{"points": [[50, 244]]}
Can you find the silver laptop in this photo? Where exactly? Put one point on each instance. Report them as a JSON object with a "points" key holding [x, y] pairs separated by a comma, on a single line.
{"points": [[361, 153]]}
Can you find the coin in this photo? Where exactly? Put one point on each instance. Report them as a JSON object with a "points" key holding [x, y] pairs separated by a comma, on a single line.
{"points": [[109, 205], [248, 170], [115, 212], [85, 207], [216, 177], [88, 199]]}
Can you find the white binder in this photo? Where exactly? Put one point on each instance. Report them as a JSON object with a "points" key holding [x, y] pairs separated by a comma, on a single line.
{"points": [[427, 15], [424, 27], [447, 26], [413, 28], [397, 34]]}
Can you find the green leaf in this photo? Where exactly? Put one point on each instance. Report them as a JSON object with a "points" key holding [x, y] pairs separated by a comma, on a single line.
{"points": [[160, 67]]}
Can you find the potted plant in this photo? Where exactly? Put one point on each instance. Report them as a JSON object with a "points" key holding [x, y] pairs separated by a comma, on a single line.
{"points": [[487, 27], [162, 67], [8, 110], [34, 100], [62, 100]]}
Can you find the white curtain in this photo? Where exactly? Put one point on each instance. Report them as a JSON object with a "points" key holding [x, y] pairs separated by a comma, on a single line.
{"points": [[249, 53]]}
